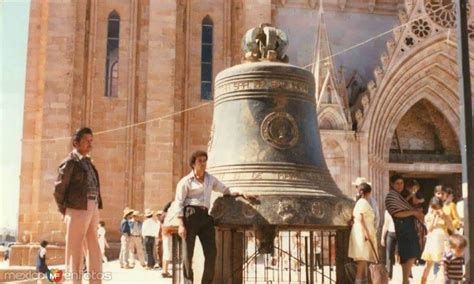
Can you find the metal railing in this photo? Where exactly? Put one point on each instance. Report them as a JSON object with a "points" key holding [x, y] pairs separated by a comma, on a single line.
{"points": [[297, 256]]}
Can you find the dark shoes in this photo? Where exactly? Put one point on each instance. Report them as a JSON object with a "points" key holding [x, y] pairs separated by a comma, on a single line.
{"points": [[166, 275]]}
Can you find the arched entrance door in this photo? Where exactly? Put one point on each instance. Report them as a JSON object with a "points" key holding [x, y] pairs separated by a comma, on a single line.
{"points": [[426, 148]]}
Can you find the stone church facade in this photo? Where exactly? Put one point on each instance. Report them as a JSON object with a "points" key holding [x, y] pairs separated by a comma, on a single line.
{"points": [[140, 74]]}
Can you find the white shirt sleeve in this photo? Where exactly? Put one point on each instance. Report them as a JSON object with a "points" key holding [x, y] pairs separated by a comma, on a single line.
{"points": [[220, 187], [181, 194]]}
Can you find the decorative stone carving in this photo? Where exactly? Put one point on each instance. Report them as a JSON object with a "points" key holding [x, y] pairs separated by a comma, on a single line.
{"points": [[371, 87], [442, 12], [359, 116], [470, 29], [365, 102], [421, 28], [385, 59], [378, 73], [391, 46], [403, 16], [409, 41], [397, 33]]}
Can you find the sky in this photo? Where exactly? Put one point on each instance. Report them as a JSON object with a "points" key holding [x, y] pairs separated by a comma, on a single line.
{"points": [[13, 45]]}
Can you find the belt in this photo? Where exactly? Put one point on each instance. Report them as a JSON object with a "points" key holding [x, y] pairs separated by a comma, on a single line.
{"points": [[92, 197], [198, 207], [137, 236]]}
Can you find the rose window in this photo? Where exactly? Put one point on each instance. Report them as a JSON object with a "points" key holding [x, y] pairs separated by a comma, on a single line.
{"points": [[443, 12], [421, 28]]}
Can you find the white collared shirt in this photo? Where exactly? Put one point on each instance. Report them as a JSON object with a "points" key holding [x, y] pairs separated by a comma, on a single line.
{"points": [[79, 155], [150, 228], [190, 191]]}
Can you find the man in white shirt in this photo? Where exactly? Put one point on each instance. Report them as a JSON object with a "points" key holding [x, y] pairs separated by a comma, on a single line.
{"points": [[389, 240], [150, 230], [193, 200]]}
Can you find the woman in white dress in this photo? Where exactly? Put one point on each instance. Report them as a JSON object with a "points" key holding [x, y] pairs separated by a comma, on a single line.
{"points": [[362, 233]]}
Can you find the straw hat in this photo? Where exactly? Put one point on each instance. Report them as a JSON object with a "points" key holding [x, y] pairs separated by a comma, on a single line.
{"points": [[360, 180], [148, 213], [159, 212], [127, 211], [136, 213]]}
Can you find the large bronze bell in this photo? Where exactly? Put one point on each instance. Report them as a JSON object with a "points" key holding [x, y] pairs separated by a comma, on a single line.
{"points": [[265, 140]]}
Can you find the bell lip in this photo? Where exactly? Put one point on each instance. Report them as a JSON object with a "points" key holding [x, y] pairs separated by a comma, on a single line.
{"points": [[283, 211]]}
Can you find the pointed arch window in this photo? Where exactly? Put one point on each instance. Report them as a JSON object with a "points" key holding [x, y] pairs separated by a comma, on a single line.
{"points": [[112, 58], [206, 58]]}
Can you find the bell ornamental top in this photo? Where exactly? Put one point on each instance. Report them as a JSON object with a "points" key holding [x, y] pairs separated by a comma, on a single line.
{"points": [[264, 43]]}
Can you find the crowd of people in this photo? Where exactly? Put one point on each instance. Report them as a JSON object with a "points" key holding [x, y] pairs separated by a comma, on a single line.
{"points": [[144, 238], [428, 232], [415, 231]]}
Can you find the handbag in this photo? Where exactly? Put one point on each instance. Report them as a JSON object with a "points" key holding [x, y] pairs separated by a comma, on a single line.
{"points": [[378, 273]]}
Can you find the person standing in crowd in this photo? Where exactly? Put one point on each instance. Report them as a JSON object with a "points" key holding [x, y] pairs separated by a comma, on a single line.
{"points": [[441, 192], [41, 265], [372, 200], [317, 251], [158, 249], [413, 195], [136, 240], [102, 240], [404, 217], [193, 199], [453, 260], [77, 195], [125, 238], [438, 224], [450, 209], [363, 234], [389, 240], [167, 235], [460, 210], [150, 230]]}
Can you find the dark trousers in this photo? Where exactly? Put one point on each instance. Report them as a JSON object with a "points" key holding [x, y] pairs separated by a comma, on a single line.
{"points": [[198, 223], [390, 244], [149, 248], [318, 261]]}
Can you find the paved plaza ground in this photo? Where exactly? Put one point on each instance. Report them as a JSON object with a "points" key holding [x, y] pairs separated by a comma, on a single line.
{"points": [[140, 275]]}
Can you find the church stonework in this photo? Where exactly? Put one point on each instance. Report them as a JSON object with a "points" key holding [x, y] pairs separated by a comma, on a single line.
{"points": [[130, 83]]}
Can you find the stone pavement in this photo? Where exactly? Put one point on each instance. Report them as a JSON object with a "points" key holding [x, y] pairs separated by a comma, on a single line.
{"points": [[140, 275], [117, 275]]}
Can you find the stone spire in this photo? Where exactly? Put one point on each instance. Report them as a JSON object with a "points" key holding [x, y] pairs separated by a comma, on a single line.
{"points": [[328, 86]]}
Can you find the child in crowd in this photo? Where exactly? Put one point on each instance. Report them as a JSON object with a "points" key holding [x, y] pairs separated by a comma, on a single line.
{"points": [[413, 194], [41, 265], [453, 259], [438, 224]]}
